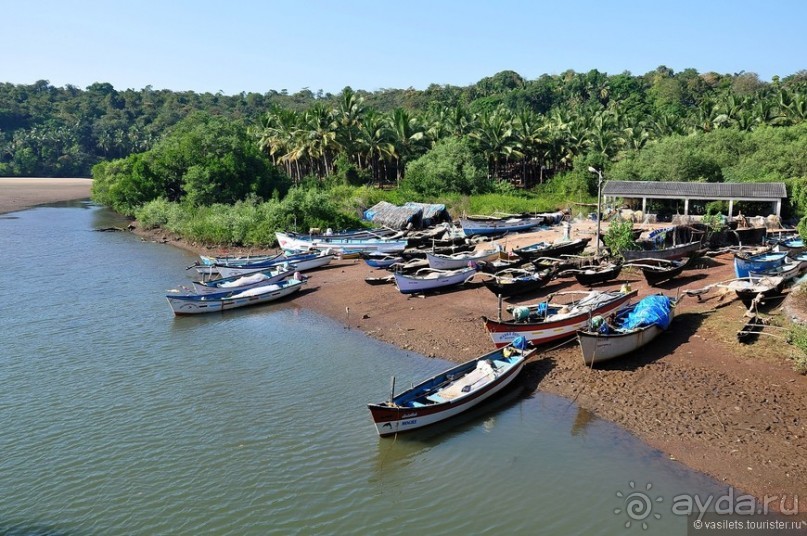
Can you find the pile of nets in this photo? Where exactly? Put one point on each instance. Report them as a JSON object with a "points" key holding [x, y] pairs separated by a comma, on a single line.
{"points": [[652, 310]]}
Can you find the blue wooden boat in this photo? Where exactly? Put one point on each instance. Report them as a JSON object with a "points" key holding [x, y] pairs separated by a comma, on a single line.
{"points": [[493, 227], [745, 264], [792, 246], [381, 260], [192, 304]]}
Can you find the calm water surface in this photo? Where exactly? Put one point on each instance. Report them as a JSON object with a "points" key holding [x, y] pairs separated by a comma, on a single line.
{"points": [[118, 418]]}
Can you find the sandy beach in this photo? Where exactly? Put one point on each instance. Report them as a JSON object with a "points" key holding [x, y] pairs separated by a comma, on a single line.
{"points": [[21, 193], [733, 411]]}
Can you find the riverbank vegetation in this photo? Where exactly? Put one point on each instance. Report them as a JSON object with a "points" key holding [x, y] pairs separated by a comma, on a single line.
{"points": [[203, 164]]}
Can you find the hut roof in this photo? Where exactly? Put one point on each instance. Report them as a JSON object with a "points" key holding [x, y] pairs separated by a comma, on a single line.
{"points": [[389, 215], [696, 190], [399, 217]]}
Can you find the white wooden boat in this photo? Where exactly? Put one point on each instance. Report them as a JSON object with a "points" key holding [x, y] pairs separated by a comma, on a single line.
{"points": [[340, 245], [243, 282], [427, 279], [461, 260], [451, 392], [599, 346], [299, 263], [191, 304]]}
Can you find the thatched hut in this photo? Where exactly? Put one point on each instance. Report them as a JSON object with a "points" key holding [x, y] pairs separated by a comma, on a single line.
{"points": [[410, 215]]}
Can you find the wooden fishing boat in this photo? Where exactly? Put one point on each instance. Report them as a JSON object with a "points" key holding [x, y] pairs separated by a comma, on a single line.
{"points": [[765, 290], [790, 270], [208, 260], [191, 304], [548, 321], [450, 393], [689, 249], [498, 226], [382, 280], [546, 249], [792, 246], [745, 263], [300, 263], [243, 282], [381, 260], [427, 279], [657, 271], [596, 275], [567, 265], [632, 328], [514, 281], [461, 260], [506, 260], [338, 245]]}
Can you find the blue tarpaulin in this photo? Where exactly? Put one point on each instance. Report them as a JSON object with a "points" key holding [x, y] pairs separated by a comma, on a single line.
{"points": [[656, 309]]}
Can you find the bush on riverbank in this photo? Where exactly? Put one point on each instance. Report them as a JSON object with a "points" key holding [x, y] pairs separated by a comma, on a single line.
{"points": [[246, 223]]}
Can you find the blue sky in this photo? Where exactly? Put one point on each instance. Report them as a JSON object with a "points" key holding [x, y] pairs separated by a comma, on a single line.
{"points": [[293, 44]]}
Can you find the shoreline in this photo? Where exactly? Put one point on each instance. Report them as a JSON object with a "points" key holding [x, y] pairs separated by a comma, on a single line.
{"points": [[28, 192], [733, 412]]}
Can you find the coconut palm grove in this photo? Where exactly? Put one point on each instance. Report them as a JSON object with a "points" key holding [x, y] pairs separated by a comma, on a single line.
{"points": [[233, 169]]}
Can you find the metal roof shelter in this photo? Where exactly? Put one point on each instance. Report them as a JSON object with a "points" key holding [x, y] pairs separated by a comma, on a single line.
{"points": [[760, 192]]}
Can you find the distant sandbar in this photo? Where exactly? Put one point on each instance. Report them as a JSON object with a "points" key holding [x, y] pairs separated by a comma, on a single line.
{"points": [[21, 193]]}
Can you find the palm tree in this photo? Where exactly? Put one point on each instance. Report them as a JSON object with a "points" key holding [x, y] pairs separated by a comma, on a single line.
{"points": [[407, 136], [495, 139], [374, 141], [348, 115]]}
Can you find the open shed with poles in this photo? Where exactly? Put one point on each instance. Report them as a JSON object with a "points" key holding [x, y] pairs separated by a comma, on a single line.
{"points": [[732, 192]]}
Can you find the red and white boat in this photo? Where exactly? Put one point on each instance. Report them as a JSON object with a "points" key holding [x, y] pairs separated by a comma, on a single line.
{"points": [[451, 392], [546, 321]]}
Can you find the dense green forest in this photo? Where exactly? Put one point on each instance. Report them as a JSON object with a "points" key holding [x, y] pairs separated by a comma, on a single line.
{"points": [[509, 141]]}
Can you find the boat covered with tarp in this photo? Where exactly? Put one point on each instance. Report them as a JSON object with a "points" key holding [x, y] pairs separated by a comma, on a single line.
{"points": [[626, 331]]}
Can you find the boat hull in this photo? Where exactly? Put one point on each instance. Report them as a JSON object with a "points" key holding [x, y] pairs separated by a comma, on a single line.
{"points": [[598, 277], [757, 263], [672, 253], [215, 286], [597, 348], [573, 247], [341, 245], [300, 265], [412, 284], [406, 414], [502, 333], [459, 260], [213, 303], [492, 227], [516, 286]]}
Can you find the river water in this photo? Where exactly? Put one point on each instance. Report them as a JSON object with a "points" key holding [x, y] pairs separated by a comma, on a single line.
{"points": [[118, 418]]}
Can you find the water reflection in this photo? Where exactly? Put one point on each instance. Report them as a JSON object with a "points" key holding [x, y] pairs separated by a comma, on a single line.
{"points": [[581, 421], [402, 449]]}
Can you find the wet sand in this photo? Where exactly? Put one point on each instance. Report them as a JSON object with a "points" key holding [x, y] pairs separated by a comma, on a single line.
{"points": [[21, 193], [733, 411]]}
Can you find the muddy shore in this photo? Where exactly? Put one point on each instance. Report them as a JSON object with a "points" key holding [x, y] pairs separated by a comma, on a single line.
{"points": [[733, 411]]}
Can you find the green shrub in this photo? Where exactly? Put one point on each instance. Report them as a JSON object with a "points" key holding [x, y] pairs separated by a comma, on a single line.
{"points": [[798, 338], [449, 167], [619, 237]]}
